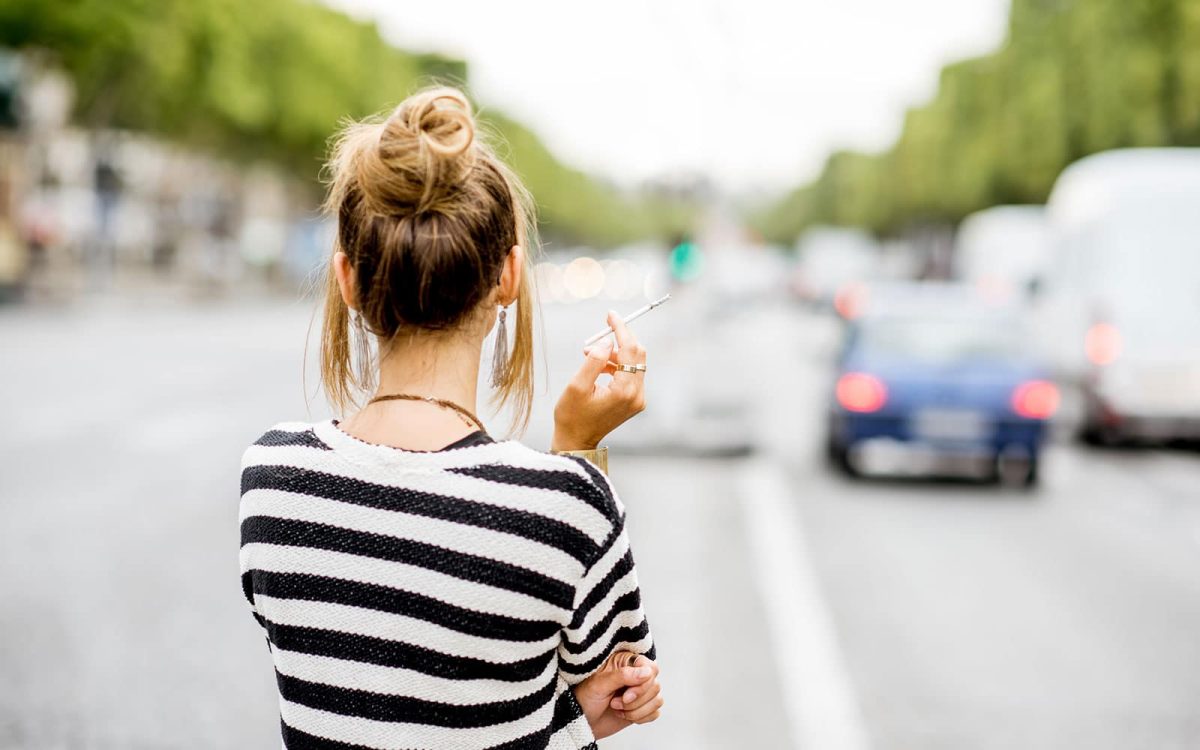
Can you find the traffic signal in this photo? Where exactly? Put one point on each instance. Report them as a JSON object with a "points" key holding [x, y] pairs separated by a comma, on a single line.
{"points": [[687, 261]]}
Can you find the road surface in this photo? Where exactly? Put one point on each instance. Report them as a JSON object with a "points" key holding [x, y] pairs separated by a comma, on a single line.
{"points": [[793, 608]]}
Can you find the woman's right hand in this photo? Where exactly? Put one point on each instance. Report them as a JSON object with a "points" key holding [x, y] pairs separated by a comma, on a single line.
{"points": [[587, 410]]}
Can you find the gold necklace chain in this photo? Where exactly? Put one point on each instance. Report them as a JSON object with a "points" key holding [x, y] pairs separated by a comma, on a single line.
{"points": [[444, 403]]}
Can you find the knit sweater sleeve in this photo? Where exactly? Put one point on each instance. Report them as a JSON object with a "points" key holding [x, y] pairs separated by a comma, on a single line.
{"points": [[247, 577], [607, 612]]}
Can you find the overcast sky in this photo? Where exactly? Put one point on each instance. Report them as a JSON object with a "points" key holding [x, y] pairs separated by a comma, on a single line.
{"points": [[753, 93]]}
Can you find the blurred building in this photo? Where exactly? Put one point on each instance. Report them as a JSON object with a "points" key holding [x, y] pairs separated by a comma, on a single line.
{"points": [[88, 210]]}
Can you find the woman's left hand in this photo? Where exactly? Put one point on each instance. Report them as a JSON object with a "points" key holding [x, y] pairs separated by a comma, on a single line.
{"points": [[640, 704], [623, 692]]}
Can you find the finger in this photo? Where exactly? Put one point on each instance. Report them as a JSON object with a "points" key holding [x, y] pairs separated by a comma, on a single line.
{"points": [[613, 677], [636, 697], [594, 364], [640, 665], [649, 719], [629, 350], [641, 660], [631, 696], [631, 387], [610, 367], [646, 713], [608, 682], [637, 357], [635, 675]]}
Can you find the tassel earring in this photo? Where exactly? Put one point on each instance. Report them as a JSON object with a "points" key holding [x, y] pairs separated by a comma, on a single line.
{"points": [[500, 350], [362, 352]]}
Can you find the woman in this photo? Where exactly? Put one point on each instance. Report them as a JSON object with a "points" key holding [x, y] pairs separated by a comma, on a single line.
{"points": [[421, 584]]}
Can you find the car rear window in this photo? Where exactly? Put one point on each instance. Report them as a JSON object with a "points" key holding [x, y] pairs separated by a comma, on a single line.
{"points": [[943, 338]]}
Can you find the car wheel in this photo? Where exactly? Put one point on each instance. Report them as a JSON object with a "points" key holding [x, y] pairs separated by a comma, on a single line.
{"points": [[1031, 473], [1095, 431], [839, 457], [1017, 471], [1100, 435], [1089, 434]]}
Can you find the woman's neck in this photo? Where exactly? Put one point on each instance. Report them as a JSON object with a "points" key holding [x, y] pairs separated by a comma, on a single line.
{"points": [[444, 367], [439, 367]]}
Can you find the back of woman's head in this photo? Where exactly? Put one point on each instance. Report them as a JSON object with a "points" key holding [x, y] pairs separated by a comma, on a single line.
{"points": [[426, 214]]}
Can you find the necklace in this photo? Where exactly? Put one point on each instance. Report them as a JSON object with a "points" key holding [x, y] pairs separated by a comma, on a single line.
{"points": [[467, 416]]}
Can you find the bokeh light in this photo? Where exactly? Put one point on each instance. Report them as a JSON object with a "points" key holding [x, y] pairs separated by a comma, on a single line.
{"points": [[656, 284], [583, 277], [622, 279], [549, 279]]}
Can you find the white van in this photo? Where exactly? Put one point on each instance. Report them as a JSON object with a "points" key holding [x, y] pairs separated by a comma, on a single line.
{"points": [[1003, 251], [1121, 304]]}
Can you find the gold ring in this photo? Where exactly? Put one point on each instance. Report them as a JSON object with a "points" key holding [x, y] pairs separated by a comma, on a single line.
{"points": [[628, 368]]}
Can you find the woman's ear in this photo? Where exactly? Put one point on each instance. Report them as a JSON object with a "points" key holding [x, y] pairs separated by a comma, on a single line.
{"points": [[344, 273], [510, 276]]}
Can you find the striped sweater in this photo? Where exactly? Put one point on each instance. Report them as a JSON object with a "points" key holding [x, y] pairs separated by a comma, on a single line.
{"points": [[444, 599]]}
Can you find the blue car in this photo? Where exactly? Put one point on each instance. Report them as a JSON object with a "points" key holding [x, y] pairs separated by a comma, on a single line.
{"points": [[939, 381]]}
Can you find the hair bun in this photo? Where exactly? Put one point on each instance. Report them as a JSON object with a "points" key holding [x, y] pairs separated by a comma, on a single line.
{"points": [[443, 120], [424, 153]]}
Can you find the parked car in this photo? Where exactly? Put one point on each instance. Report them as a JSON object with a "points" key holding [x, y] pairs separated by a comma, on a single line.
{"points": [[931, 378], [1121, 305]]}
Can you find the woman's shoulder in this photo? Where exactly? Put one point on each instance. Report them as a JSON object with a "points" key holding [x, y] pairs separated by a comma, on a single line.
{"points": [[283, 448], [567, 495], [517, 463], [291, 433]]}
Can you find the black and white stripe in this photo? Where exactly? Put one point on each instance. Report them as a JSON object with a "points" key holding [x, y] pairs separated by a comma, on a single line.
{"points": [[433, 600]]}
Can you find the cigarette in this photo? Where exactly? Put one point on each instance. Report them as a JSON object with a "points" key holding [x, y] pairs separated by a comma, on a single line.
{"points": [[632, 317]]}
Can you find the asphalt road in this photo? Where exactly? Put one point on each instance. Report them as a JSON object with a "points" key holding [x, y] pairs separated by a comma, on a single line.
{"points": [[792, 607]]}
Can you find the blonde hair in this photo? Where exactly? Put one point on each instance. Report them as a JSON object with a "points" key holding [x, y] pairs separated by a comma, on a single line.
{"points": [[426, 214]]}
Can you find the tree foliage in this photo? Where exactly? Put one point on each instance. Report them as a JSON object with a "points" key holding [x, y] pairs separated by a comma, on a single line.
{"points": [[1073, 77], [271, 79]]}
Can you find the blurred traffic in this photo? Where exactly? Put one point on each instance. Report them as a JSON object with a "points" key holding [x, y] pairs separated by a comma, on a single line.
{"points": [[919, 461]]}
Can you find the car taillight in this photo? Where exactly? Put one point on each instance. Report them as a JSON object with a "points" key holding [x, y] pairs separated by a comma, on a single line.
{"points": [[850, 300], [1036, 399], [860, 392], [1102, 344]]}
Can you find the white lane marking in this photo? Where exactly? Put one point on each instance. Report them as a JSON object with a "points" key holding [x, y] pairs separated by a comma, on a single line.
{"points": [[817, 692]]}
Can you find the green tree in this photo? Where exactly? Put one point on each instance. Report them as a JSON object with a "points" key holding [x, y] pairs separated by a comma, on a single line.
{"points": [[1073, 77], [271, 80]]}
